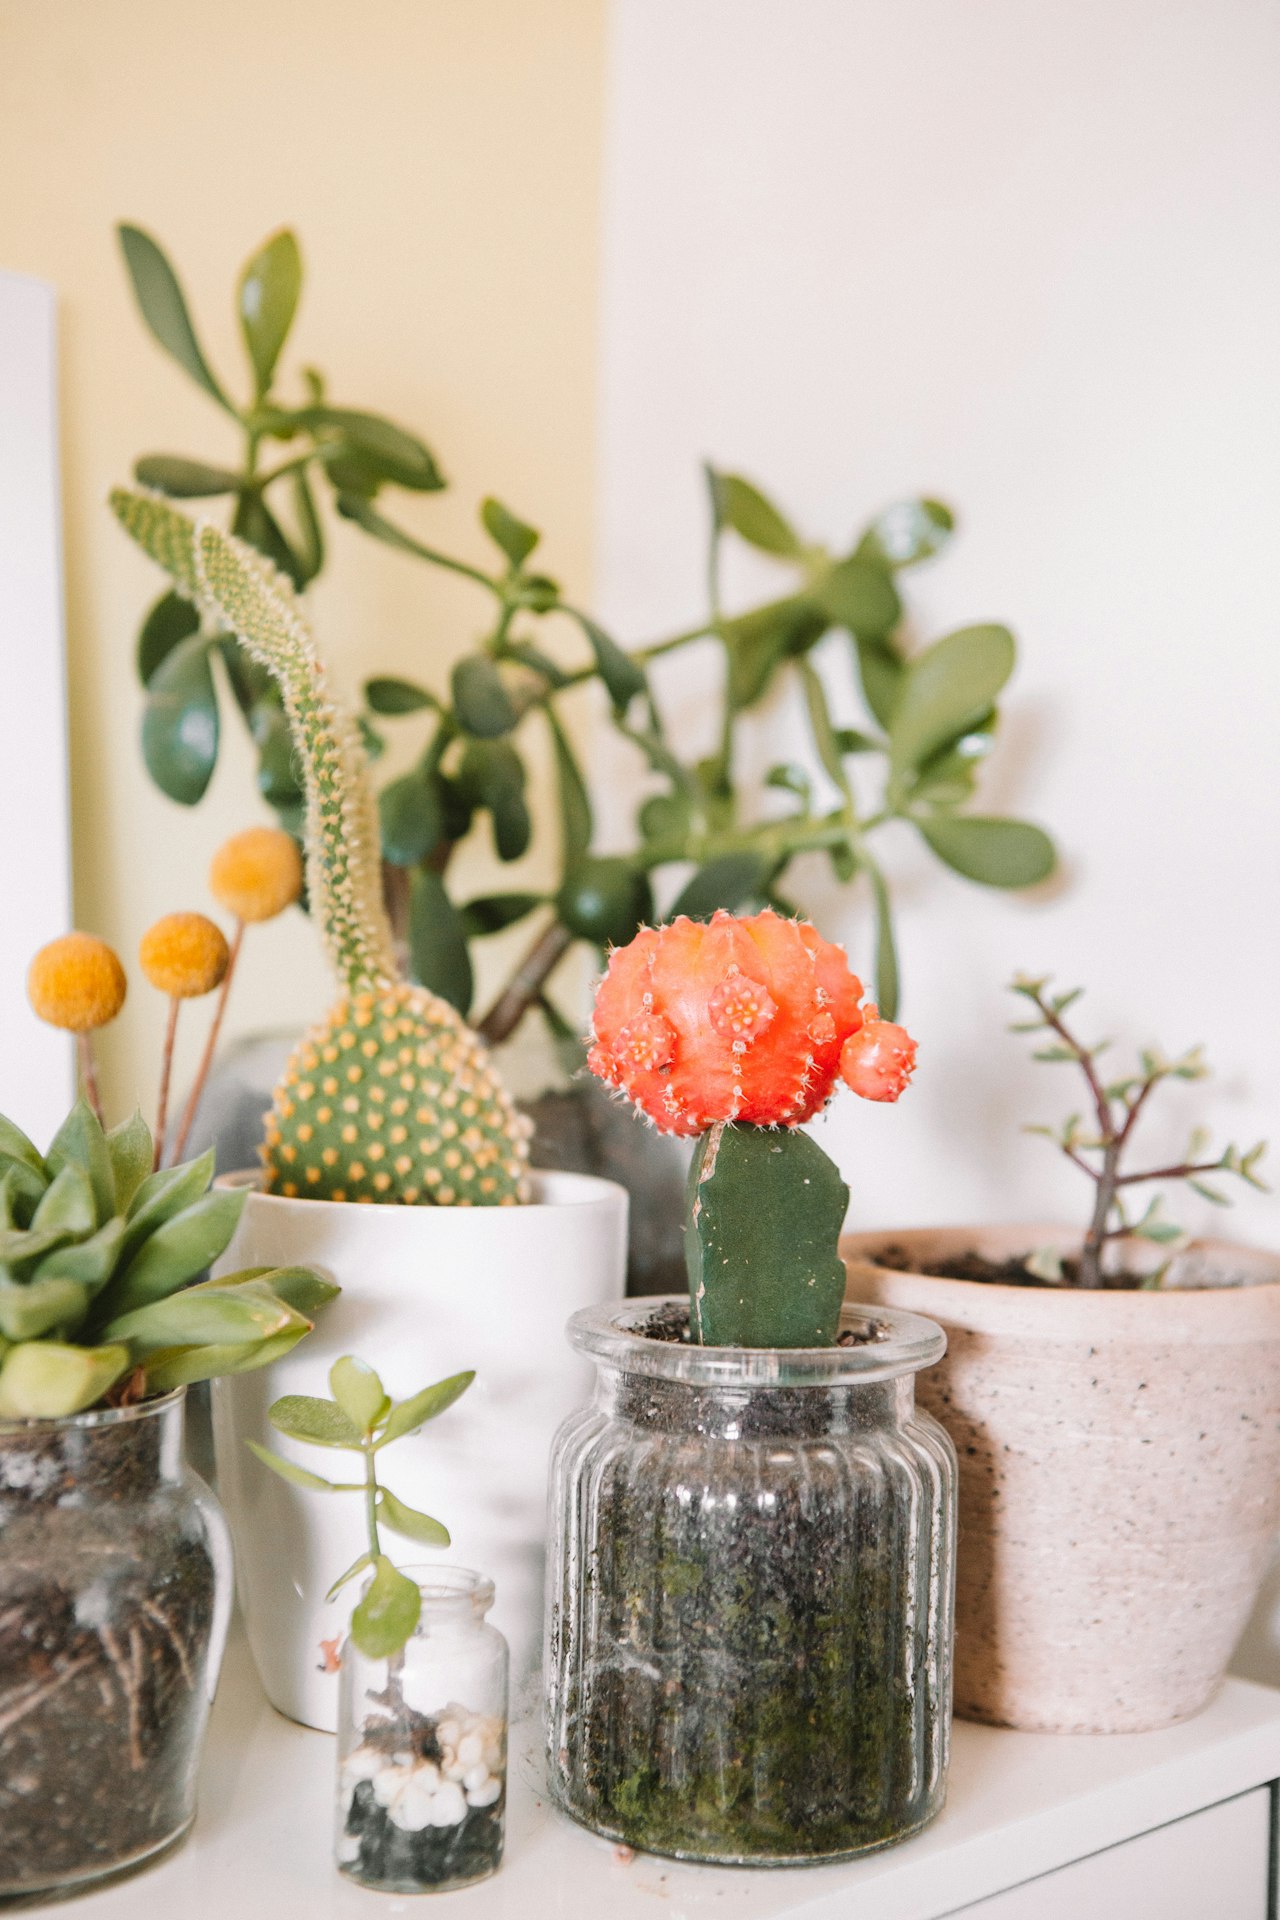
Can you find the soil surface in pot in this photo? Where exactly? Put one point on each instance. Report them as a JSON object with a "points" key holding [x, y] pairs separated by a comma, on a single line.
{"points": [[754, 1686], [1012, 1272], [107, 1595]]}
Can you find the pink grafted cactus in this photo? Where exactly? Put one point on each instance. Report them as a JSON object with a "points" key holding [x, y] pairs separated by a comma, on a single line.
{"points": [[750, 1020]]}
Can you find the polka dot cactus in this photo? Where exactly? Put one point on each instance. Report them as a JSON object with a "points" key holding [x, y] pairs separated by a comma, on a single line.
{"points": [[391, 1098]]}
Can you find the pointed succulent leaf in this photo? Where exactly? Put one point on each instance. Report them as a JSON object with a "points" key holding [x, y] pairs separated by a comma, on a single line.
{"points": [[268, 299], [304, 1417], [67, 1203], [130, 1149], [164, 308], [14, 1145], [388, 1612], [21, 1248], [178, 1250], [81, 1142], [171, 1367], [22, 1188], [357, 1566], [358, 1391], [29, 1310], [409, 1522], [197, 1318], [516, 539], [46, 1380], [90, 1262], [407, 1415], [161, 1195], [301, 1288], [290, 1470]]}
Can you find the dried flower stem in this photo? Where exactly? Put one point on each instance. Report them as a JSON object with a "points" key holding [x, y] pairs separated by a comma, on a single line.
{"points": [[89, 1073], [210, 1048], [166, 1073]]}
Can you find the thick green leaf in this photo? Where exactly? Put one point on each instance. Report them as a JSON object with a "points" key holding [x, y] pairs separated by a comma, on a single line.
{"points": [[493, 912], [387, 1614], [409, 1522], [623, 677], [268, 300], [481, 701], [183, 1366], [760, 642], [170, 621], [358, 1391], [357, 1566], [164, 308], [907, 532], [22, 1189], [21, 1249], [310, 540], [997, 853], [255, 522], [178, 1250], [859, 594], [29, 1310], [45, 1380], [299, 1287], [201, 1317], [390, 696], [15, 1145], [66, 1204], [604, 898], [882, 674], [948, 689], [384, 448], [886, 950], [724, 882], [744, 508], [575, 803], [824, 734], [164, 1194], [290, 1470], [494, 773], [411, 818], [184, 479], [90, 1262], [130, 1149], [304, 1417], [81, 1142], [279, 767], [438, 941], [180, 724], [407, 1415], [515, 538]]}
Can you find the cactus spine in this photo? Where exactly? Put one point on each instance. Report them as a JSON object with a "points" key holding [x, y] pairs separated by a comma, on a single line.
{"points": [[391, 1097]]}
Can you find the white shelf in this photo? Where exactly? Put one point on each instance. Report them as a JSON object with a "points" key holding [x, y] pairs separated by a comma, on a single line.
{"points": [[1019, 1805]]}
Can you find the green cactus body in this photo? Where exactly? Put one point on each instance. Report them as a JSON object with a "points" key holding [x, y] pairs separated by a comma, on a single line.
{"points": [[761, 1244], [389, 1041]]}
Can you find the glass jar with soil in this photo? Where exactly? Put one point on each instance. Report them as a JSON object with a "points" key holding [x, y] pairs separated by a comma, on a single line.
{"points": [[750, 1590], [422, 1746], [115, 1594]]}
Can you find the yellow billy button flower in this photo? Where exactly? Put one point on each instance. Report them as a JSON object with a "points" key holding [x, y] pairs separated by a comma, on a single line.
{"points": [[76, 983], [184, 955], [257, 874]]}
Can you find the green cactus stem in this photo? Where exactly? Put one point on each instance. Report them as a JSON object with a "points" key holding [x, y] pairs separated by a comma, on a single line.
{"points": [[391, 1097], [761, 1243]]}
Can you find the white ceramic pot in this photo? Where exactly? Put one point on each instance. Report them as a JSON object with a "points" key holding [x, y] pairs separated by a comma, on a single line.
{"points": [[426, 1292], [1119, 1474]]}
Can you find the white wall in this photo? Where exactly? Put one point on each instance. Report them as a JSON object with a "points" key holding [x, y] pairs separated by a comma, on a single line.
{"points": [[1028, 258]]}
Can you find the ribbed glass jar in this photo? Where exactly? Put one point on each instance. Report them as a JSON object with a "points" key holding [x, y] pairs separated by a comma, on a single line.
{"points": [[750, 1586], [115, 1594], [422, 1746]]}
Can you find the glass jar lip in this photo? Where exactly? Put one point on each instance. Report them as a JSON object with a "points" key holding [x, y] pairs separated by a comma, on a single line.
{"points": [[900, 1343], [95, 1417], [450, 1592]]}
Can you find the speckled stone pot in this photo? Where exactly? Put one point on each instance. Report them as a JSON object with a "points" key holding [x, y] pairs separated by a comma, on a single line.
{"points": [[1119, 1474]]}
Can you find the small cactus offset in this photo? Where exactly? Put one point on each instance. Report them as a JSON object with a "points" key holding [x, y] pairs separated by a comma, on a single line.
{"points": [[738, 1031], [391, 1097]]}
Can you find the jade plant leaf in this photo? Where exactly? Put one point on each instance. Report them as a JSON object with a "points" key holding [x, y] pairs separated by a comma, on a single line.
{"points": [[996, 853], [743, 507], [407, 1415], [948, 689], [516, 539], [411, 818], [387, 1614], [357, 1566], [164, 308], [290, 1470], [304, 1417], [180, 724], [386, 450], [724, 882], [358, 1391], [184, 479], [859, 594], [408, 1521], [438, 941], [268, 299], [170, 620], [387, 695], [886, 950], [907, 533], [575, 805], [483, 705]]}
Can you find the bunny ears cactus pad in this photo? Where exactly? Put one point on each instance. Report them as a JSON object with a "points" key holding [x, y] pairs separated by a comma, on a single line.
{"points": [[391, 1097], [737, 1032]]}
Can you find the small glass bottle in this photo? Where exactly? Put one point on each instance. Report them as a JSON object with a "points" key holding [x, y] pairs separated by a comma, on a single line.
{"points": [[422, 1746]]}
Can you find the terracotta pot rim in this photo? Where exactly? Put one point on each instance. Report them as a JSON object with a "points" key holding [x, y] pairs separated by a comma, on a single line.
{"points": [[586, 1190]]}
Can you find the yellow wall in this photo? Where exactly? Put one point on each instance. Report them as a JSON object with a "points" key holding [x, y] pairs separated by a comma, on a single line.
{"points": [[439, 161]]}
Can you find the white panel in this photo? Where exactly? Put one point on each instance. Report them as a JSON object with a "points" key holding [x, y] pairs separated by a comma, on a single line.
{"points": [[1213, 1864], [35, 1063]]}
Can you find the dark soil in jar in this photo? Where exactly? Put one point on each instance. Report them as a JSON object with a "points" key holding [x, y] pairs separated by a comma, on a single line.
{"points": [[756, 1696], [106, 1608], [1012, 1272]]}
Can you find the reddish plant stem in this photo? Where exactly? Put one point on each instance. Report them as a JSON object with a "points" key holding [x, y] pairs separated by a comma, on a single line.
{"points": [[166, 1073], [210, 1048], [525, 986], [89, 1073]]}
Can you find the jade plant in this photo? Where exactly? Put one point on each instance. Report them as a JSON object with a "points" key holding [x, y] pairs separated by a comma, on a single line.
{"points": [[704, 837], [391, 1097], [1099, 1144], [734, 1033], [361, 1418], [98, 1254]]}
